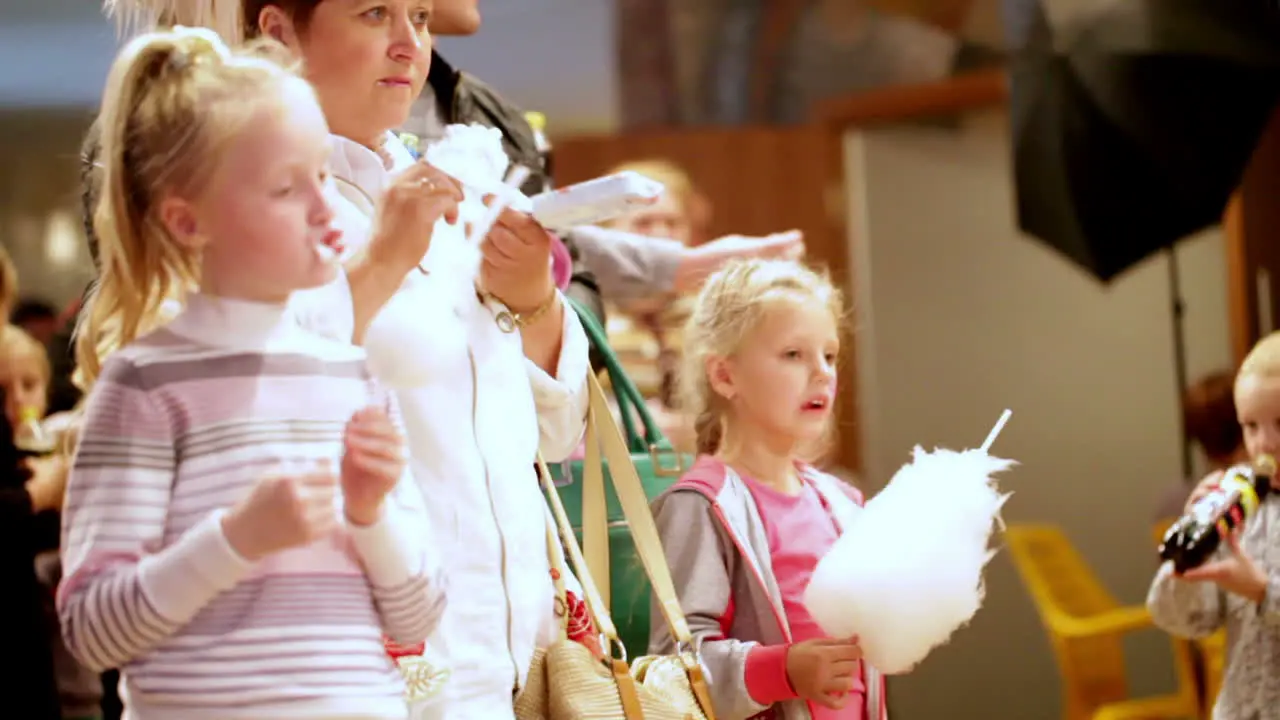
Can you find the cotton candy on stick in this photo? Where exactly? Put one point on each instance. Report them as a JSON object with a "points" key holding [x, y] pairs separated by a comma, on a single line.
{"points": [[401, 354], [907, 571]]}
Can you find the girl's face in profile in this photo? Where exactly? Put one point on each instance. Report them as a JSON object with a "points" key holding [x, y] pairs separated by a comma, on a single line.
{"points": [[265, 218]]}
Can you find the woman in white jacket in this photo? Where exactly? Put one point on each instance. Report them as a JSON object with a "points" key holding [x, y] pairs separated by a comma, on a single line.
{"points": [[485, 378], [489, 370]]}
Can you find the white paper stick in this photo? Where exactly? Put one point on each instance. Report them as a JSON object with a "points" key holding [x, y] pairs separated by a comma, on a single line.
{"points": [[995, 431], [515, 179]]}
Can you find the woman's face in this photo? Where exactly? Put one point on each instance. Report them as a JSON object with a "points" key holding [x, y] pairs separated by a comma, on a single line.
{"points": [[368, 60]]}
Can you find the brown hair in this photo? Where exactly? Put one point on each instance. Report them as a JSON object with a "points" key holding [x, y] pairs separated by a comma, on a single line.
{"points": [[173, 102], [299, 11], [1209, 415]]}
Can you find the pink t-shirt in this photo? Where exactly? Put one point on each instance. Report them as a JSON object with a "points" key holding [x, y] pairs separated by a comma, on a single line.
{"points": [[801, 530]]}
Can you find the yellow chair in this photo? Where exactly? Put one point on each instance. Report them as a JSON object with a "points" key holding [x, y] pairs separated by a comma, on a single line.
{"points": [[1214, 651], [1085, 626]]}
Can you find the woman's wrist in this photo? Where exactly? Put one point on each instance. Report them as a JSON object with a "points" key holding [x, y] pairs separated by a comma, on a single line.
{"points": [[526, 315]]}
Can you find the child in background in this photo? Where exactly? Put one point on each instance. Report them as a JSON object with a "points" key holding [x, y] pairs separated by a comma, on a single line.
{"points": [[24, 377], [239, 529], [745, 527], [1240, 587]]}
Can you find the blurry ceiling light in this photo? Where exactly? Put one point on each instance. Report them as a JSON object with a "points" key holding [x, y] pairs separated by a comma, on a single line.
{"points": [[62, 241]]}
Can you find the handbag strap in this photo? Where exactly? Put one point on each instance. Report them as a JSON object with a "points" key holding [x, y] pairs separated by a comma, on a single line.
{"points": [[623, 681], [556, 561], [635, 507], [595, 604], [628, 395], [644, 531]]}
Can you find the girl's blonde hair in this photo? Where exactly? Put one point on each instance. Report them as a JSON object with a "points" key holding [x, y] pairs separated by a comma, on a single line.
{"points": [[225, 17], [730, 306], [174, 100]]}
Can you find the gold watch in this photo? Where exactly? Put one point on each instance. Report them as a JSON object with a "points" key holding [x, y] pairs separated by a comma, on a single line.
{"points": [[508, 321]]}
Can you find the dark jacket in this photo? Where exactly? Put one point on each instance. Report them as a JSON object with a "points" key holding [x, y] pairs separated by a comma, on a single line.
{"points": [[28, 686]]}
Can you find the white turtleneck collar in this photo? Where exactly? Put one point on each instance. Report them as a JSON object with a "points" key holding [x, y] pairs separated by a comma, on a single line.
{"points": [[234, 324]]}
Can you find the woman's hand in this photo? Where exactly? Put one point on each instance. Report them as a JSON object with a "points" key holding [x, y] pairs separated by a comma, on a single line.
{"points": [[407, 214], [516, 265]]}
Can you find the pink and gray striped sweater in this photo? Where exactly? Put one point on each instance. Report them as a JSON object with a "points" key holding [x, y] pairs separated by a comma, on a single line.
{"points": [[178, 428]]}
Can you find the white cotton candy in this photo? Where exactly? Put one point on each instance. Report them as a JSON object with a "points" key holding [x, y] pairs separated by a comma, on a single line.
{"points": [[907, 572], [473, 154], [416, 334]]}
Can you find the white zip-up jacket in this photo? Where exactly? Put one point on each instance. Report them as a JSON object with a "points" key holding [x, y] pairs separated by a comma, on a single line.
{"points": [[476, 411]]}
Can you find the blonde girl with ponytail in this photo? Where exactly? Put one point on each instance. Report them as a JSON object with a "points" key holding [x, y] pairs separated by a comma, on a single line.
{"points": [[239, 528], [745, 527]]}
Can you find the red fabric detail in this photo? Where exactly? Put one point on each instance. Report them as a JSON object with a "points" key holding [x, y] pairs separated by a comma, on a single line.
{"points": [[580, 629], [726, 619], [766, 674], [397, 651]]}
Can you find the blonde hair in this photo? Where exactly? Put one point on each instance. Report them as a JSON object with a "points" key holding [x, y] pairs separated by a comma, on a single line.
{"points": [[8, 284], [174, 100], [16, 342], [729, 308], [1264, 359], [225, 17]]}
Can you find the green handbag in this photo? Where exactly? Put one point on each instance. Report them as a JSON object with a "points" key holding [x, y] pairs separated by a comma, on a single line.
{"points": [[624, 587]]}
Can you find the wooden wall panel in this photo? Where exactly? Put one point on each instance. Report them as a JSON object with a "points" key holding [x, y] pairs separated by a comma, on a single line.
{"points": [[1252, 228], [757, 180]]}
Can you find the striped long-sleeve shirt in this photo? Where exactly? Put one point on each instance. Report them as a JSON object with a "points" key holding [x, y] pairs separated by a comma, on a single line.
{"points": [[178, 429]]}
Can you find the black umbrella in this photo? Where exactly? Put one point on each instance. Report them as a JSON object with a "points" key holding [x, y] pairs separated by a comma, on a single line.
{"points": [[1133, 123]]}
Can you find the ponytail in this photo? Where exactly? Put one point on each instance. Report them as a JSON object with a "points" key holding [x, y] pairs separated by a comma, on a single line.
{"points": [[172, 101]]}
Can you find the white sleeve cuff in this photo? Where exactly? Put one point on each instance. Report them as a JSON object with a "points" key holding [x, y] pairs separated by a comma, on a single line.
{"points": [[180, 580], [391, 552], [571, 367]]}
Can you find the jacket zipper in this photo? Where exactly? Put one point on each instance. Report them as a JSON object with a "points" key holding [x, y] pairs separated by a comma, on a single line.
{"points": [[497, 525]]}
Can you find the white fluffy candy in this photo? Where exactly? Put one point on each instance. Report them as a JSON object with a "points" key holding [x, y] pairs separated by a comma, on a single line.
{"points": [[907, 573], [473, 154], [414, 336]]}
